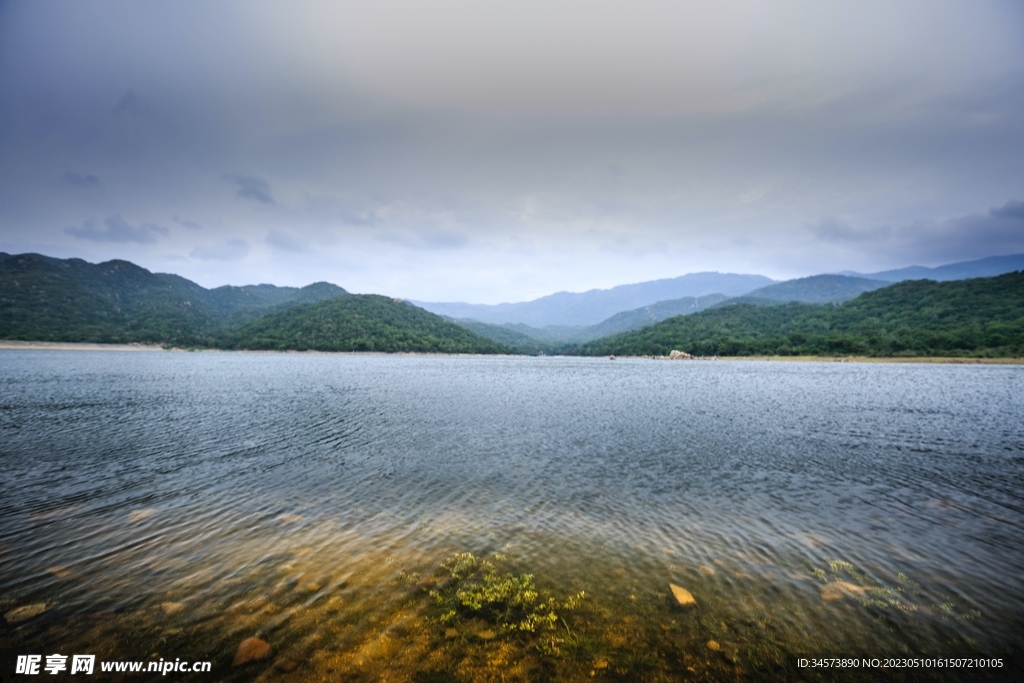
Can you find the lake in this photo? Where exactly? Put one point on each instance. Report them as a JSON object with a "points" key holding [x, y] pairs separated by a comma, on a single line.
{"points": [[169, 505]]}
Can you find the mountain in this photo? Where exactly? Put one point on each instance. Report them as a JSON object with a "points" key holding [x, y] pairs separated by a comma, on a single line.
{"points": [[50, 299], [551, 338], [358, 322], [986, 267], [597, 305], [976, 317], [43, 298], [817, 289]]}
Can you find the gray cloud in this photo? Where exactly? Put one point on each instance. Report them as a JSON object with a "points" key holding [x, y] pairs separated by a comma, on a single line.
{"points": [[229, 250], [130, 104], [80, 179], [1011, 210], [831, 229], [619, 142], [251, 187], [186, 223], [118, 230], [429, 238], [286, 241]]}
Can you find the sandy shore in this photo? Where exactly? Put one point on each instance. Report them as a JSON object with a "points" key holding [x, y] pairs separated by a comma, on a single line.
{"points": [[11, 345], [874, 359]]}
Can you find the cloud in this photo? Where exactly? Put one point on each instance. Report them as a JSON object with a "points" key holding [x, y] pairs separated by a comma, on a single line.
{"points": [[186, 223], [118, 230], [1011, 209], [429, 239], [829, 229], [925, 241], [251, 187], [132, 105], [286, 241], [231, 250], [80, 179]]}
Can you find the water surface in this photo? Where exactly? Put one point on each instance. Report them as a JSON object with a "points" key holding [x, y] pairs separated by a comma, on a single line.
{"points": [[172, 504]]}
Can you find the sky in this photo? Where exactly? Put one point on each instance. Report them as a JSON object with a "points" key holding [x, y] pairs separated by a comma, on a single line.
{"points": [[501, 151]]}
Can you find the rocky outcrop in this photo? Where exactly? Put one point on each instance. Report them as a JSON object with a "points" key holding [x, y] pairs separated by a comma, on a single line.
{"points": [[679, 355]]}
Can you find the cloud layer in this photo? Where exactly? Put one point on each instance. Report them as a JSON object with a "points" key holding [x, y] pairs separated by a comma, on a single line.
{"points": [[479, 152]]}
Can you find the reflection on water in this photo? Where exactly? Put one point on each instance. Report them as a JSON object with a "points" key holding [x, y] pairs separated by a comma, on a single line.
{"points": [[172, 505]]}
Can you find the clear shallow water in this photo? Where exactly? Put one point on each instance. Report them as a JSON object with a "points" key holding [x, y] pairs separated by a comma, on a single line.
{"points": [[169, 505]]}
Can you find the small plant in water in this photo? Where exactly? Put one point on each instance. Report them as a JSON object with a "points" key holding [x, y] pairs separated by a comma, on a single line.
{"points": [[476, 588]]}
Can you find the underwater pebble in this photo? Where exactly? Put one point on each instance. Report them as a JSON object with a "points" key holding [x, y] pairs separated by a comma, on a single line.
{"points": [[713, 645], [706, 570], [683, 597], [24, 613], [172, 607], [251, 650], [139, 515], [286, 665]]}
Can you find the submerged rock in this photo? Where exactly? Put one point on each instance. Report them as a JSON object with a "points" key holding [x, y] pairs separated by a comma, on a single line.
{"points": [[682, 596], [172, 607], [837, 590], [139, 515], [286, 665], [25, 612], [251, 650], [713, 645]]}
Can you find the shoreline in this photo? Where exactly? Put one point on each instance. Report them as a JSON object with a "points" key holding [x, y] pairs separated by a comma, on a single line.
{"points": [[17, 345]]}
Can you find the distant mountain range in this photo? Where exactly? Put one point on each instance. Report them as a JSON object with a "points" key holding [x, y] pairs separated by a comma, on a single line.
{"points": [[550, 337], [986, 267], [597, 305], [817, 289], [49, 299], [979, 317], [574, 311]]}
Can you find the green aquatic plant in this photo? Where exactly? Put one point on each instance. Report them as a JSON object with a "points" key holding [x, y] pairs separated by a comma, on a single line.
{"points": [[476, 588], [637, 664]]}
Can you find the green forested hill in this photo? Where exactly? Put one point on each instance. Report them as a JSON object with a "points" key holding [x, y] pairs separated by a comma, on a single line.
{"points": [[43, 298], [359, 322], [980, 317], [49, 299]]}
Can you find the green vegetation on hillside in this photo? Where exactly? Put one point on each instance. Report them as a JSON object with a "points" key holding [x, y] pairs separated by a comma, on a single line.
{"points": [[358, 322], [980, 317], [49, 299]]}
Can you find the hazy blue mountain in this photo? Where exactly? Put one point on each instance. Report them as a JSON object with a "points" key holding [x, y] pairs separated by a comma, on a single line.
{"points": [[980, 317], [817, 289], [597, 305], [986, 267], [550, 338]]}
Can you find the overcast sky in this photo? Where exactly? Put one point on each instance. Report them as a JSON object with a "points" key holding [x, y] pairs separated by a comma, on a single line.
{"points": [[500, 151]]}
